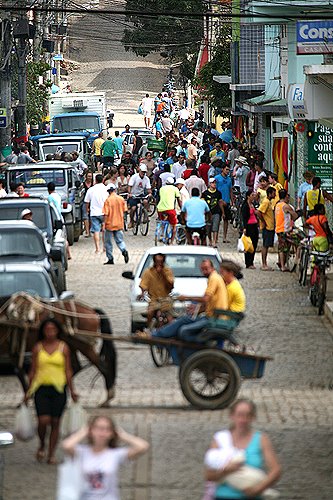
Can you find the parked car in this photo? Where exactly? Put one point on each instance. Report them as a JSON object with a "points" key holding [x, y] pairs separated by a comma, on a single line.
{"points": [[6, 439], [22, 241], [185, 264], [145, 134], [36, 176], [45, 216], [51, 144], [31, 278]]}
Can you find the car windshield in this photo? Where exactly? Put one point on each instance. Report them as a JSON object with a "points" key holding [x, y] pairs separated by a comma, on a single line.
{"points": [[38, 178], [184, 266], [76, 123], [34, 283], [14, 213], [21, 243], [57, 149]]}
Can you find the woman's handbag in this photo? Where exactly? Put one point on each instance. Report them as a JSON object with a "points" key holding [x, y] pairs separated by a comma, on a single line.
{"points": [[24, 424], [140, 110], [240, 246], [248, 245], [70, 479]]}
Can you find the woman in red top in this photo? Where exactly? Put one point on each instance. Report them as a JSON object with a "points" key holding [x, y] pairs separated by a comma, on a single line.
{"points": [[251, 227]]}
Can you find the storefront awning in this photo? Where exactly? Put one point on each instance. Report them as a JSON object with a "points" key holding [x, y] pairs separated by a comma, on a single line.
{"points": [[265, 104], [327, 122]]}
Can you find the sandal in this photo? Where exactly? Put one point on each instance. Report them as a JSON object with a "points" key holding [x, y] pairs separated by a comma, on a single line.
{"points": [[40, 455]]}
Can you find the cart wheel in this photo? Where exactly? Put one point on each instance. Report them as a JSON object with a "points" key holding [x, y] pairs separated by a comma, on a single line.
{"points": [[160, 355], [209, 379]]}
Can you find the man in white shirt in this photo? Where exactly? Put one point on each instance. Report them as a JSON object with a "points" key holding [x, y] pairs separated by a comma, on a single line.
{"points": [[146, 105], [167, 124], [179, 167], [138, 186], [95, 198], [184, 194]]}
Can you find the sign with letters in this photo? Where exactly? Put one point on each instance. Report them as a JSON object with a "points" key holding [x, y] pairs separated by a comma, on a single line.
{"points": [[296, 103], [320, 153], [314, 37]]}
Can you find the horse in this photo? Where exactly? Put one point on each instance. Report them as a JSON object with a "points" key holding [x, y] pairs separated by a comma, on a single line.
{"points": [[21, 315]]}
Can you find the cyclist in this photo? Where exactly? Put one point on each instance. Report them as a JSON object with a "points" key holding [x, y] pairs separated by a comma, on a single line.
{"points": [[195, 211], [138, 186], [284, 217], [169, 194], [158, 282], [318, 221]]}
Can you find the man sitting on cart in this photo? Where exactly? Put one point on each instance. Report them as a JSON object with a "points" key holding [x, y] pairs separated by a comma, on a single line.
{"points": [[158, 282], [188, 326]]}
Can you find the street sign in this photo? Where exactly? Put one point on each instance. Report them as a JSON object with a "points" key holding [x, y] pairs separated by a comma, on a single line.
{"points": [[3, 112], [320, 153], [3, 121], [58, 57], [314, 37]]}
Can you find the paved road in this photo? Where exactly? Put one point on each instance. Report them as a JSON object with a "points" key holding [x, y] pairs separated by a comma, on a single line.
{"points": [[294, 399]]}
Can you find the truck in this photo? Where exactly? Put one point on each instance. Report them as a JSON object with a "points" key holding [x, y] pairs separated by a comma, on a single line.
{"points": [[78, 112], [53, 144]]}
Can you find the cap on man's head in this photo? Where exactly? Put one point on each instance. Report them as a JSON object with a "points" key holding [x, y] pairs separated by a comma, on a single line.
{"points": [[25, 212], [180, 180], [212, 179], [143, 167], [111, 187], [170, 180]]}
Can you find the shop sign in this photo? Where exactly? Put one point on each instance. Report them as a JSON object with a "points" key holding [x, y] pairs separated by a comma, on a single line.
{"points": [[314, 37], [320, 153], [296, 103]]}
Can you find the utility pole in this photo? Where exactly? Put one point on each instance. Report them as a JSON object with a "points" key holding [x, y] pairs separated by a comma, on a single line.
{"points": [[5, 80], [21, 34]]}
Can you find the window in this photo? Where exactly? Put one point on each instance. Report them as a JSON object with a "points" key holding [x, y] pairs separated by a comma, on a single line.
{"points": [[14, 213], [184, 266], [21, 243], [52, 149], [38, 178], [30, 282], [76, 123]]}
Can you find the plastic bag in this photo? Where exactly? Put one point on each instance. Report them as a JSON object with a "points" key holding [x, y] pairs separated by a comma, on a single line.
{"points": [[74, 418], [240, 245], [140, 110], [24, 424], [69, 480], [248, 245]]}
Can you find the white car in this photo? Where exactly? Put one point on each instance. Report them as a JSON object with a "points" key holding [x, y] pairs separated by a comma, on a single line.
{"points": [[145, 134], [185, 264]]}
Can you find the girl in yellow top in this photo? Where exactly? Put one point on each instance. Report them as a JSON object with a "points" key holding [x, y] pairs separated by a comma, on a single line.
{"points": [[236, 296], [50, 372], [315, 196]]}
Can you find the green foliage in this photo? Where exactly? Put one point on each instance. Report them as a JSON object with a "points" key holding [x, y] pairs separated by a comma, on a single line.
{"points": [[176, 39], [218, 95], [37, 94]]}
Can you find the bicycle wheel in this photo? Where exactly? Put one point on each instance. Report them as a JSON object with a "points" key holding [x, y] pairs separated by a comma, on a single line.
{"points": [[159, 233], [180, 235], [136, 221], [160, 355], [291, 259], [322, 288], [314, 285], [303, 266], [125, 221], [151, 208], [144, 222]]}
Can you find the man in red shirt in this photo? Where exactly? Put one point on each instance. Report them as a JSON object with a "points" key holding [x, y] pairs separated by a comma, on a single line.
{"points": [[204, 168]]}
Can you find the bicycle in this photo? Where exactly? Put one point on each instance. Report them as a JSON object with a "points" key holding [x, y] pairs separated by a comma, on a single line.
{"points": [[236, 209], [318, 279], [152, 203], [125, 196], [304, 260], [163, 233], [140, 218]]}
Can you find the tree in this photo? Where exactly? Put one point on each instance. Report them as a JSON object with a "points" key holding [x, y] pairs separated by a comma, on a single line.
{"points": [[37, 93], [176, 39], [217, 94]]}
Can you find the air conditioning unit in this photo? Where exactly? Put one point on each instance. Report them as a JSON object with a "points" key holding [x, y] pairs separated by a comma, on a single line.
{"points": [[74, 103]]}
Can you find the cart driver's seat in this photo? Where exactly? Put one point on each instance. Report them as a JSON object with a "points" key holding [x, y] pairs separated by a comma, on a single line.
{"points": [[221, 328]]}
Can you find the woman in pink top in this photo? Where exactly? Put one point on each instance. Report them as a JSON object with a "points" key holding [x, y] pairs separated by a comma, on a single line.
{"points": [[251, 227]]}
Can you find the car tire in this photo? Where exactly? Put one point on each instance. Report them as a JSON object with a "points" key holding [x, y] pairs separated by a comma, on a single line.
{"points": [[70, 234], [77, 230], [60, 278]]}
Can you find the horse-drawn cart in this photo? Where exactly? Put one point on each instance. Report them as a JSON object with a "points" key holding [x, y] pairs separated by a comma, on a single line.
{"points": [[209, 374]]}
